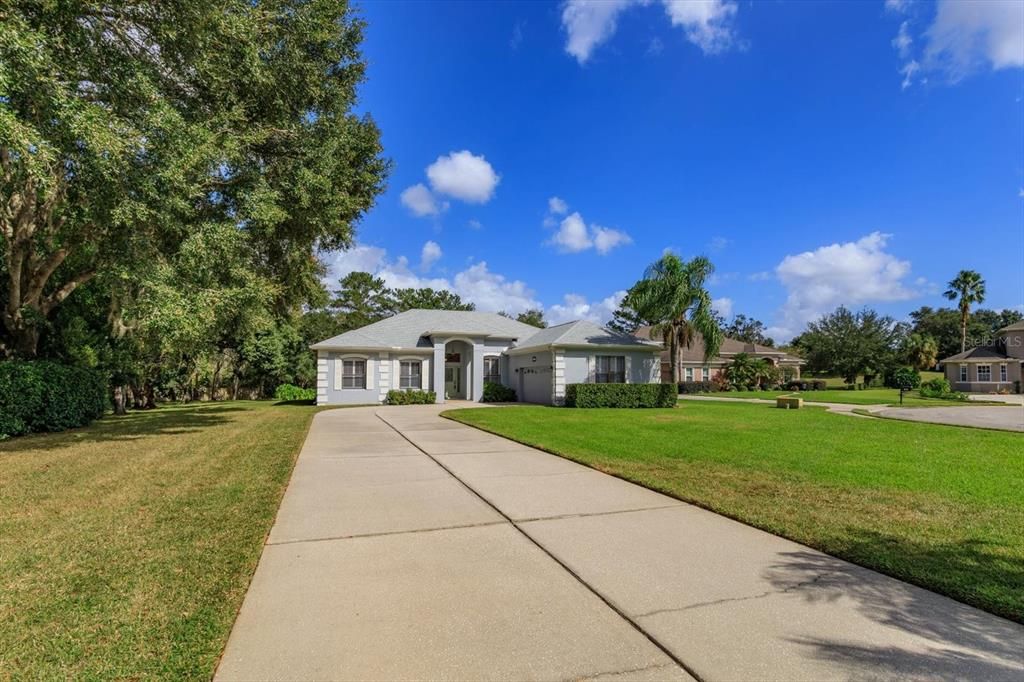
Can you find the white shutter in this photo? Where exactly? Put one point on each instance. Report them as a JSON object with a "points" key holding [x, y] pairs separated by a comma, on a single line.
{"points": [[371, 374], [426, 378], [626, 367], [337, 373]]}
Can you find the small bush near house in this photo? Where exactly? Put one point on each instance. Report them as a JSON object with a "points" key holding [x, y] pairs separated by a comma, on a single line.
{"points": [[719, 382], [940, 388], [621, 395], [498, 393], [706, 386], [291, 392], [411, 397], [41, 396]]}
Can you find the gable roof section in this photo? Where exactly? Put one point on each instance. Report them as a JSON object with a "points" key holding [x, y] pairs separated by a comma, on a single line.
{"points": [[1015, 327], [583, 333], [406, 330], [976, 354]]}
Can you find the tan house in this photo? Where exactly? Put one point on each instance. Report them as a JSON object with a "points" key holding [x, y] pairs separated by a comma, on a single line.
{"points": [[693, 367], [989, 369]]}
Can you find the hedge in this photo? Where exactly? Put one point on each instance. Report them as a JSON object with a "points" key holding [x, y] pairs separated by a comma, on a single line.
{"points": [[498, 393], [411, 397], [806, 385], [291, 392], [621, 395], [38, 396], [706, 386]]}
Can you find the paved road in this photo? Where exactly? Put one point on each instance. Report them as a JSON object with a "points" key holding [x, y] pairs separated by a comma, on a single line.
{"points": [[1009, 417], [1004, 418], [412, 547]]}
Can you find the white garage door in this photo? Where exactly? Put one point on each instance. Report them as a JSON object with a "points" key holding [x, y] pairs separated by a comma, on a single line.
{"points": [[535, 385]]}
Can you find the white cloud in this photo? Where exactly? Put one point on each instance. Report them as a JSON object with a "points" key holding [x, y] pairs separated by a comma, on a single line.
{"points": [[903, 41], [909, 70], [852, 274], [719, 244], [490, 291], [606, 239], [572, 235], [963, 38], [897, 6], [557, 206], [475, 224], [464, 176], [1021, 193], [577, 307], [762, 276], [589, 23], [430, 254], [722, 306], [421, 201], [706, 23]]}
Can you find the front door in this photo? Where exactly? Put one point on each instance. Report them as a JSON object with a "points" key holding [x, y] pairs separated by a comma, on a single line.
{"points": [[452, 383]]}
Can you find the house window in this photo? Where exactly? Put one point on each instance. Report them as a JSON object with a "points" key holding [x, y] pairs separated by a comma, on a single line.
{"points": [[707, 373], [984, 372], [1002, 373], [963, 372], [492, 370], [689, 373], [410, 374], [353, 374], [610, 369]]}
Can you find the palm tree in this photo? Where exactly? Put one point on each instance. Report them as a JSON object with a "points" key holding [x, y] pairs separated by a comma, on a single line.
{"points": [[922, 351], [672, 294], [969, 287]]}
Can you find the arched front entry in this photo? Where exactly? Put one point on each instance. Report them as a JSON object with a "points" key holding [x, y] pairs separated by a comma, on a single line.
{"points": [[458, 359]]}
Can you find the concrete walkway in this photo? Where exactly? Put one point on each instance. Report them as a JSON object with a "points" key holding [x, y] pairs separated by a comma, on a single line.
{"points": [[411, 547]]}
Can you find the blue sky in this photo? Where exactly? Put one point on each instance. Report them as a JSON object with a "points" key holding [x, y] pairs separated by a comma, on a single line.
{"points": [[855, 153]]}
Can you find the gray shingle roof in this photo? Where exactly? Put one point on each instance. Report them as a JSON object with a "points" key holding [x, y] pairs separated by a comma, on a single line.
{"points": [[582, 333], [407, 329], [1015, 327], [979, 353]]}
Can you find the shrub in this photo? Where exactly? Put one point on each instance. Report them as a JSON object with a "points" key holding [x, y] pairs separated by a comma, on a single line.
{"points": [[940, 388], [719, 382], [411, 397], [41, 396], [498, 393], [806, 385], [290, 392], [706, 386], [903, 377], [621, 395]]}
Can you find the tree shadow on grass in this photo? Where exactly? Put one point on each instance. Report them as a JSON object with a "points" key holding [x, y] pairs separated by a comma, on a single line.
{"points": [[961, 642], [132, 426]]}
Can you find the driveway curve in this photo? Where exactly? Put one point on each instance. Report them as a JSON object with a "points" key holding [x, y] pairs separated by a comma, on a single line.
{"points": [[408, 546]]}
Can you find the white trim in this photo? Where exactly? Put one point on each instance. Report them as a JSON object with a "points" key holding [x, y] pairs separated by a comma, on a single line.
{"points": [[626, 366], [339, 368], [557, 378], [963, 373], [322, 369], [386, 377]]}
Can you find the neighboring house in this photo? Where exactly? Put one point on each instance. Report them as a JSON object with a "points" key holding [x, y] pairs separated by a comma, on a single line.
{"points": [[454, 352], [693, 367], [989, 369]]}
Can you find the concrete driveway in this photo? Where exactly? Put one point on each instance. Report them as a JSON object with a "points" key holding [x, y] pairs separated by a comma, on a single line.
{"points": [[411, 547]]}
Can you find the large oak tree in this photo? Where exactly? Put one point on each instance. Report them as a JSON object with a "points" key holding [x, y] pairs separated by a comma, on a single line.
{"points": [[127, 127]]}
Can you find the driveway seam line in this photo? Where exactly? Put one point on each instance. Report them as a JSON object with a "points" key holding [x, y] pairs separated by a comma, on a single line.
{"points": [[604, 513], [386, 533], [607, 602]]}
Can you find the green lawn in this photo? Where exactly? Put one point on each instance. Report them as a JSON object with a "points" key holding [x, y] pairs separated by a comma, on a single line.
{"points": [[869, 396], [938, 506], [126, 547]]}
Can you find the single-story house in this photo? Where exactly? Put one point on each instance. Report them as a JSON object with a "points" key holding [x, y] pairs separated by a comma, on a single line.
{"points": [[989, 369], [693, 367], [453, 353]]}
